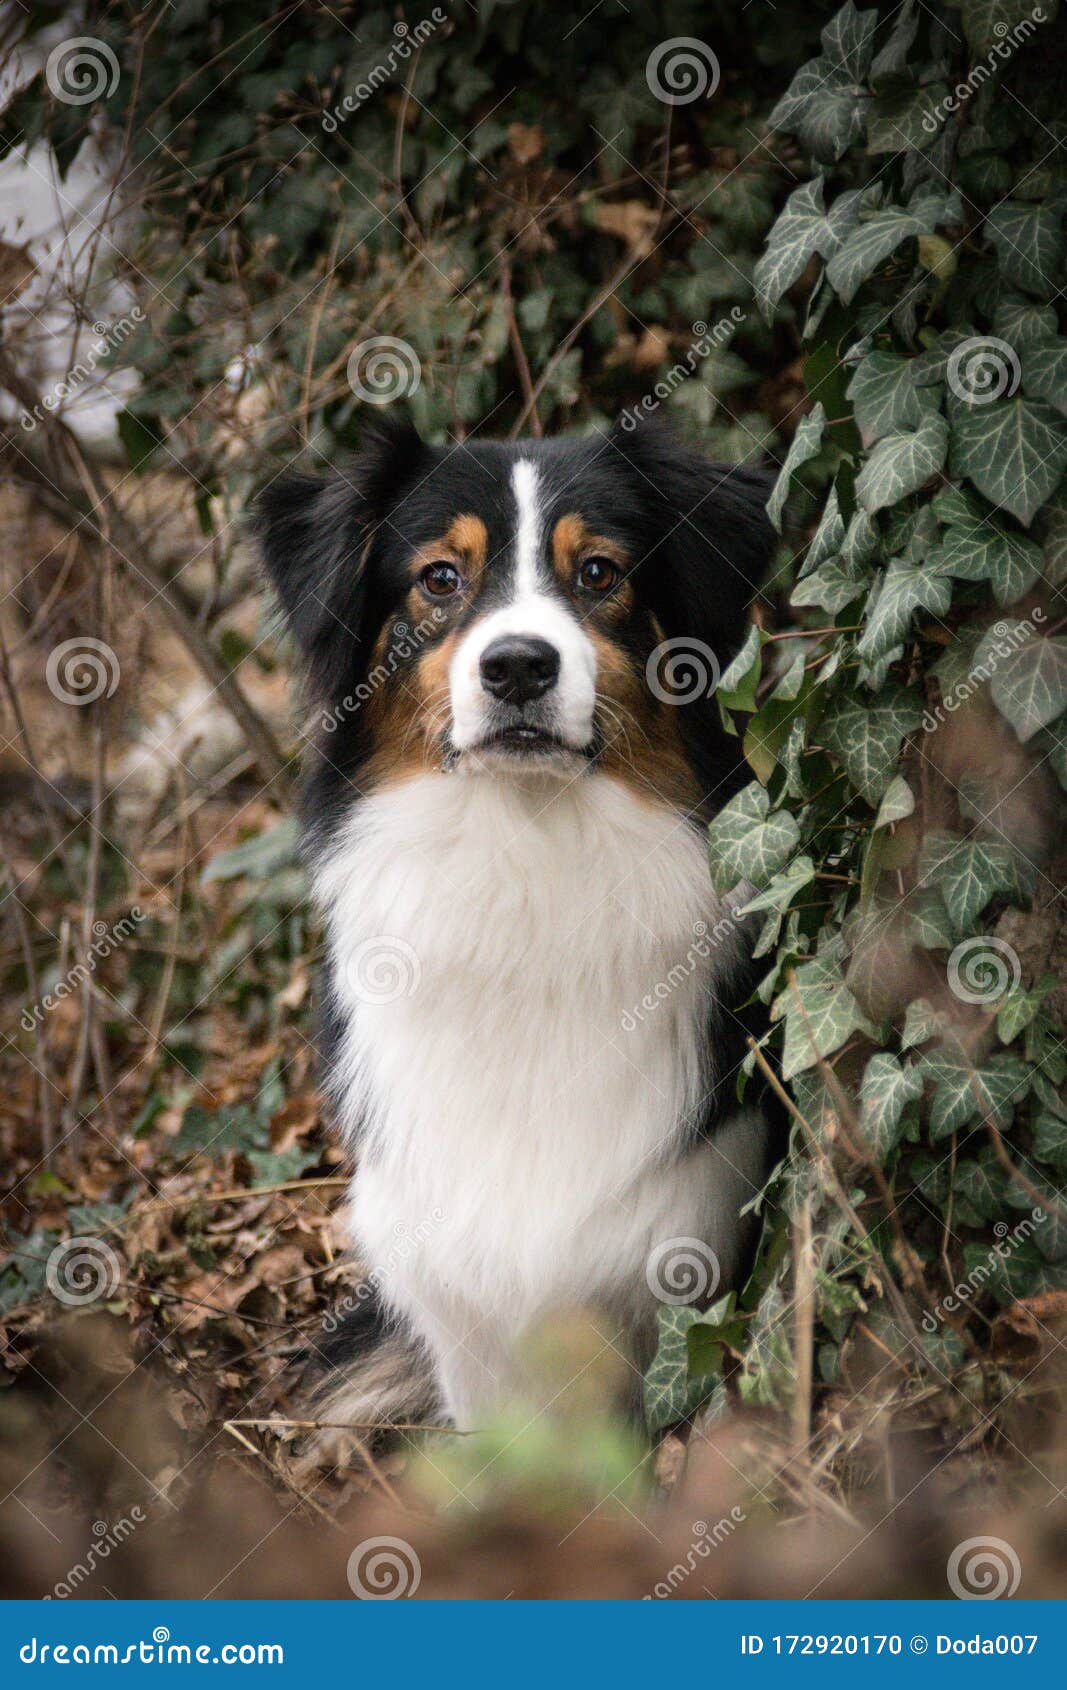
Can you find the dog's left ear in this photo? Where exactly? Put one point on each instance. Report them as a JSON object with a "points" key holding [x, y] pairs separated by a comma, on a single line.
{"points": [[315, 534], [712, 542]]}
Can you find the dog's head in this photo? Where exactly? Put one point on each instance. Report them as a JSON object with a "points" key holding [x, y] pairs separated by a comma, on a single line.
{"points": [[527, 609]]}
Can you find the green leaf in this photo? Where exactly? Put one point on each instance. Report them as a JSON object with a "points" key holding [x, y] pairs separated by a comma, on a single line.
{"points": [[904, 589], [1030, 686], [1050, 1138], [803, 230], [783, 887], [824, 103], [803, 447], [878, 236], [983, 552], [738, 682], [1029, 244], [966, 1093], [898, 802], [747, 842], [867, 737], [819, 1010], [1014, 451], [980, 1184], [987, 22], [905, 118], [259, 857], [901, 463], [670, 1394], [886, 1089], [885, 396], [968, 873], [1045, 371], [830, 587]]}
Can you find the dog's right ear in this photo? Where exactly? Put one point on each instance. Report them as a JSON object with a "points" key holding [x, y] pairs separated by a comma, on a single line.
{"points": [[315, 534]]}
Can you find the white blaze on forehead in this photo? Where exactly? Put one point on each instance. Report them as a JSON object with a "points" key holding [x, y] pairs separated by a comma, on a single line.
{"points": [[532, 608], [525, 481]]}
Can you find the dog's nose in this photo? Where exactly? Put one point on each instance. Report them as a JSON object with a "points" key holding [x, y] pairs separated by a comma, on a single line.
{"points": [[519, 667]]}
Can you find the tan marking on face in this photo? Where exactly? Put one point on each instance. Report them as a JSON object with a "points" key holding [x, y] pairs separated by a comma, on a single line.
{"points": [[465, 542], [408, 716], [572, 542], [642, 737]]}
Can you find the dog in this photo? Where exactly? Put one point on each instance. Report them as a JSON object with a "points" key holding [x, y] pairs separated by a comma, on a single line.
{"points": [[531, 1018]]}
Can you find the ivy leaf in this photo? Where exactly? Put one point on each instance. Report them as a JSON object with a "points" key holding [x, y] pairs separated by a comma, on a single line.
{"points": [[964, 1092], [1014, 451], [876, 238], [670, 1394], [820, 1012], [1045, 371], [1029, 244], [738, 682], [886, 1089], [824, 103], [782, 888], [987, 22], [885, 397], [901, 463], [968, 873], [1030, 686], [804, 445], [746, 842], [867, 737], [979, 1183], [804, 228], [904, 589], [905, 117], [898, 802], [1050, 1138], [983, 552], [830, 587]]}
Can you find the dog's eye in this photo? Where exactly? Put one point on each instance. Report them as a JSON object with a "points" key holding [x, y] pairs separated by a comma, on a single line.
{"points": [[441, 579], [598, 575]]}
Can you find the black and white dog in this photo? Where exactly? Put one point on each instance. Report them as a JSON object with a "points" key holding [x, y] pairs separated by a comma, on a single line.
{"points": [[531, 1037]]}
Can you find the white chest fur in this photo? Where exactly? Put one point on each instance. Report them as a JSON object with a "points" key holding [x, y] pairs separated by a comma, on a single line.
{"points": [[524, 971]]}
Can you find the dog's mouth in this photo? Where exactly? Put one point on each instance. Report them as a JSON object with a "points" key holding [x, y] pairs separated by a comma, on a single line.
{"points": [[523, 744]]}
